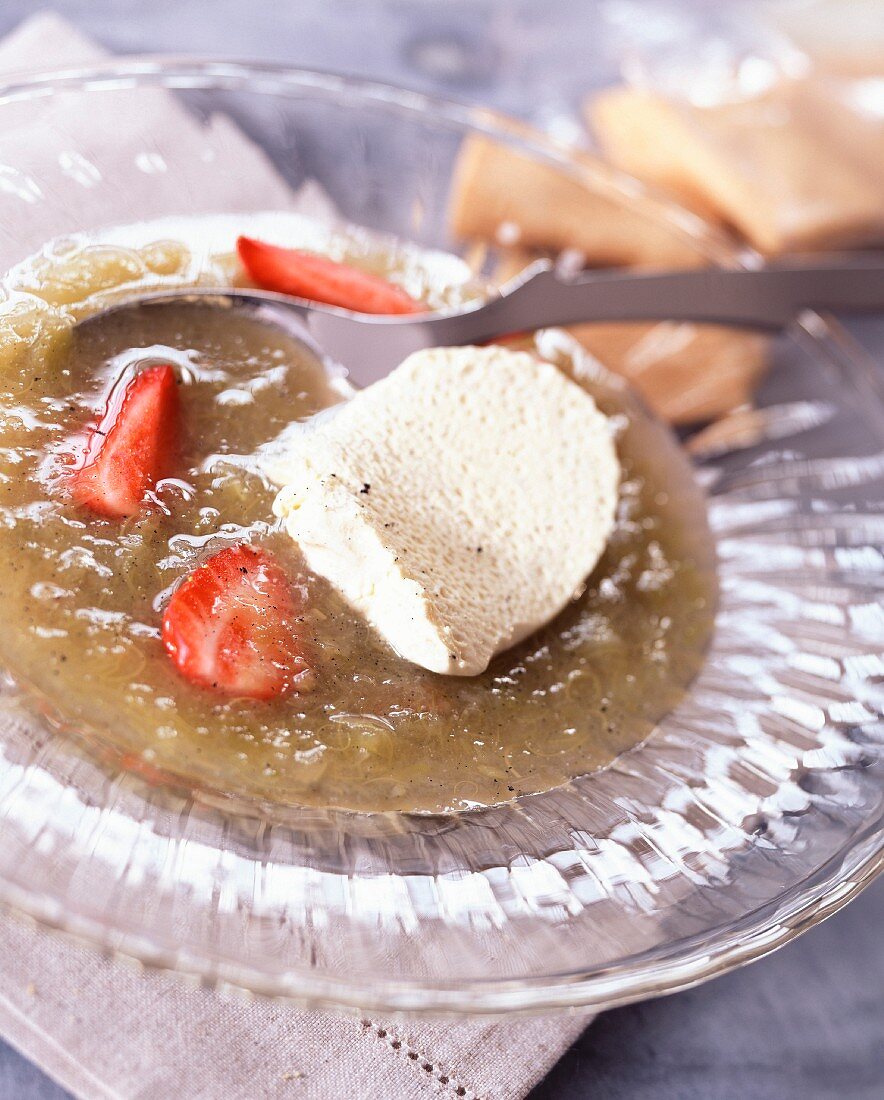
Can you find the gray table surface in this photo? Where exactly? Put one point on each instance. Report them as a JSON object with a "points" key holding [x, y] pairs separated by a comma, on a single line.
{"points": [[806, 1023]]}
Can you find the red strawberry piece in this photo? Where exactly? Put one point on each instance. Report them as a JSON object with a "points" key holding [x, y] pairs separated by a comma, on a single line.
{"points": [[319, 279], [232, 626], [132, 447]]}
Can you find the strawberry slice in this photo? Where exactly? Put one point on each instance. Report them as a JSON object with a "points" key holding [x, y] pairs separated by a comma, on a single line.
{"points": [[232, 626], [132, 447], [319, 279]]}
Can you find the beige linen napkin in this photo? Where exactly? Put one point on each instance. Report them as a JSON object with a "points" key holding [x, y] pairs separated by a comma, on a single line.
{"points": [[106, 1029]]}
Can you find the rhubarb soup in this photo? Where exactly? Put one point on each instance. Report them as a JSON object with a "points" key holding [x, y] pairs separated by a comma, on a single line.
{"points": [[153, 604]]}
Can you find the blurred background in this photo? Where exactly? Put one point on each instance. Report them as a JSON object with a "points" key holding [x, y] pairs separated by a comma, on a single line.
{"points": [[809, 1021]]}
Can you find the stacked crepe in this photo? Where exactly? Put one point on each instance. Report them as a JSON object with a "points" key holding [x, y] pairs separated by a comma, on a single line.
{"points": [[795, 167]]}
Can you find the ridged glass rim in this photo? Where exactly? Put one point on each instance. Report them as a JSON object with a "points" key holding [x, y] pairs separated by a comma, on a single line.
{"points": [[680, 963]]}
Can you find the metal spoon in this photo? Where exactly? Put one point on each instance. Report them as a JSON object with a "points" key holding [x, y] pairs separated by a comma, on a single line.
{"points": [[370, 346]]}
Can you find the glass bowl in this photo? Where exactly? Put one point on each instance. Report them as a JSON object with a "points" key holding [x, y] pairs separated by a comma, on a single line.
{"points": [[754, 809]]}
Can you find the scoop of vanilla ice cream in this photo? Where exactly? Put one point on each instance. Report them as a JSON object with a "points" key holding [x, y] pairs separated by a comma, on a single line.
{"points": [[458, 504]]}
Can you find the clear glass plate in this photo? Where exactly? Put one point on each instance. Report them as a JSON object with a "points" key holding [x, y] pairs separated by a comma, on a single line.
{"points": [[753, 811]]}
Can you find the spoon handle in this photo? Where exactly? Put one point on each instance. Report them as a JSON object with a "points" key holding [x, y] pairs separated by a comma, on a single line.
{"points": [[767, 298]]}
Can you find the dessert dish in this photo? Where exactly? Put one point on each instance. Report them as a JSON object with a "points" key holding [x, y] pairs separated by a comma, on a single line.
{"points": [[748, 815], [183, 599]]}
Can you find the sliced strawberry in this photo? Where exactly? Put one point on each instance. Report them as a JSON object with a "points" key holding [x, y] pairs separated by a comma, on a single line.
{"points": [[306, 275], [232, 626], [132, 447]]}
